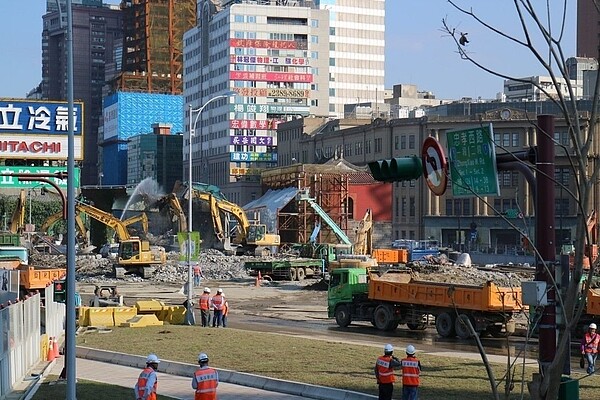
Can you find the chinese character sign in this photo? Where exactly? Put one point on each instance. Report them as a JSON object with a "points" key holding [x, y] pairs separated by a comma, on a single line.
{"points": [[240, 156], [472, 157], [251, 140]]}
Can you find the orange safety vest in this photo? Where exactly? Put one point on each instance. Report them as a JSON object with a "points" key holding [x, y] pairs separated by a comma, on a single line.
{"points": [[225, 309], [590, 343], [141, 384], [384, 372], [410, 371], [196, 269], [204, 302], [207, 381], [217, 301]]}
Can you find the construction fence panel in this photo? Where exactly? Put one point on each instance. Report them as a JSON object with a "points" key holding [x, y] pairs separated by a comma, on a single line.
{"points": [[5, 386]]}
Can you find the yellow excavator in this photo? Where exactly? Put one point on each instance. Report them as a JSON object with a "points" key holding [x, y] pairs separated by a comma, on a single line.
{"points": [[17, 221], [54, 218], [175, 209], [250, 238]]}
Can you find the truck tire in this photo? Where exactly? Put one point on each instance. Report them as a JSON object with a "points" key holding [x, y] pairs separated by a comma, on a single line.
{"points": [[444, 324], [300, 274], [461, 327], [497, 331], [292, 274], [342, 316], [384, 318]]}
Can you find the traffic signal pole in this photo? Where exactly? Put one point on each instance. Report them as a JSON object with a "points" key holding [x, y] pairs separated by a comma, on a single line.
{"points": [[545, 236]]}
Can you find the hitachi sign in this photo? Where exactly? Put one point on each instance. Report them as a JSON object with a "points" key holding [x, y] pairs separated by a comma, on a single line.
{"points": [[35, 147]]}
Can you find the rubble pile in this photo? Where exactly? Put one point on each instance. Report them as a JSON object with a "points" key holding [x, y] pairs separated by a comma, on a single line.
{"points": [[95, 269], [468, 275]]}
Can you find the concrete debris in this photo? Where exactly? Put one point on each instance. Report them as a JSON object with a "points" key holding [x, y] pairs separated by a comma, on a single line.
{"points": [[217, 266]]}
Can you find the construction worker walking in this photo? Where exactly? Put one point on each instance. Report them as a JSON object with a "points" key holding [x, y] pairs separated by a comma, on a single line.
{"points": [[384, 372], [225, 313], [218, 302], [147, 383], [411, 371], [204, 306], [206, 380]]}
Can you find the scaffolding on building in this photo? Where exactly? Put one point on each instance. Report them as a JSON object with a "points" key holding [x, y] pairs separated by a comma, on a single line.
{"points": [[327, 184], [153, 45]]}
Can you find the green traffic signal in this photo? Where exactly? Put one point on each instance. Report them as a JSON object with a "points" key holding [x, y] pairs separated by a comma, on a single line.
{"points": [[397, 169], [60, 290]]}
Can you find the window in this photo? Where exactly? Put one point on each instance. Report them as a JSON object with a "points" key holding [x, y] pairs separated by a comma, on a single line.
{"points": [[314, 23], [396, 142], [412, 206], [411, 141], [238, 18], [505, 139], [314, 55], [403, 142], [332, 62], [403, 213], [515, 140], [332, 92], [314, 39], [368, 147], [449, 207], [378, 145], [358, 148], [331, 31]]}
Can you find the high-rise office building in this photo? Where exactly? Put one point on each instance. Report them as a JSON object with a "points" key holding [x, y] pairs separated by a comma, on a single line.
{"points": [[96, 30], [357, 52], [588, 29], [285, 59]]}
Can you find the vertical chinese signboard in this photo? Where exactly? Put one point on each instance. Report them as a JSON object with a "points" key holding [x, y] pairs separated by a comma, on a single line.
{"points": [[473, 162]]}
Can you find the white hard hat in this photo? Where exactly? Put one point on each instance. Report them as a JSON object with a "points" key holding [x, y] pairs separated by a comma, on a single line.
{"points": [[410, 350], [152, 358], [593, 326], [207, 290], [388, 348], [219, 290], [202, 357]]}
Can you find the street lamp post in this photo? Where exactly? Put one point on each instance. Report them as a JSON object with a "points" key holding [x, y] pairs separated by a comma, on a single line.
{"points": [[189, 314]]}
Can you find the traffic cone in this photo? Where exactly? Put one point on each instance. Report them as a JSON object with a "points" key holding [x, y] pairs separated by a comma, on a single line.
{"points": [[50, 357], [55, 348]]}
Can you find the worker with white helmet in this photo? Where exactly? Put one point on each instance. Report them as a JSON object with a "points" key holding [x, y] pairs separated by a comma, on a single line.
{"points": [[147, 383], [218, 303], [204, 306], [384, 372], [205, 380], [411, 371], [589, 347]]}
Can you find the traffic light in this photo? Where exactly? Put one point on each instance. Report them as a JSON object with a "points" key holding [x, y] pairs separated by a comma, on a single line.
{"points": [[60, 290], [397, 169]]}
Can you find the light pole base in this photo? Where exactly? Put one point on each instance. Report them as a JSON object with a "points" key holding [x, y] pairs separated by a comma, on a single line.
{"points": [[190, 318]]}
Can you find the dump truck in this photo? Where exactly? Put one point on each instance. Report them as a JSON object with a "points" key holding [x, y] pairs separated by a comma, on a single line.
{"points": [[290, 269], [387, 300]]}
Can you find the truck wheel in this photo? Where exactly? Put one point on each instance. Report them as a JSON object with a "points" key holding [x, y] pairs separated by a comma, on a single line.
{"points": [[292, 274], [300, 274], [461, 327], [444, 324], [342, 316], [497, 331], [384, 318]]}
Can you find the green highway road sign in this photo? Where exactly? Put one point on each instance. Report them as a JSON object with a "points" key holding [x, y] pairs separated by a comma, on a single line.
{"points": [[472, 157]]}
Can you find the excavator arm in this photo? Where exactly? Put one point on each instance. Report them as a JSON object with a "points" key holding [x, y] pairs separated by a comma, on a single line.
{"points": [[54, 218], [218, 205], [18, 217], [175, 209], [107, 219], [363, 242]]}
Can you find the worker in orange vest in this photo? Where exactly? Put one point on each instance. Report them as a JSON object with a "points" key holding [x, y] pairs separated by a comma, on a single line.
{"points": [[204, 306], [384, 372], [411, 370], [218, 302], [206, 380], [225, 312], [147, 383], [197, 274], [589, 347]]}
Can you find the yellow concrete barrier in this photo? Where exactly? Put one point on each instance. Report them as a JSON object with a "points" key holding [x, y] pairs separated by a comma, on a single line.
{"points": [[140, 321], [149, 306], [176, 315], [101, 316], [84, 316], [123, 314]]}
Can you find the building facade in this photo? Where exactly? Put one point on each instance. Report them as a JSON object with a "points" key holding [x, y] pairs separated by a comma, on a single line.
{"points": [[285, 60], [588, 29], [156, 156], [474, 223], [97, 28]]}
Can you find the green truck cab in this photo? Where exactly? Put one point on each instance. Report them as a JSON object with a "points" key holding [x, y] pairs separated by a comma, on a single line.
{"points": [[347, 287]]}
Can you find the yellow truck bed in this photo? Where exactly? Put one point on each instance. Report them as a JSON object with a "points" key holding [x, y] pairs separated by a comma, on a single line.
{"points": [[488, 297]]}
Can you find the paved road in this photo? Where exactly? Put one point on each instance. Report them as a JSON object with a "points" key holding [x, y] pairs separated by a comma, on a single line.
{"points": [[168, 385]]}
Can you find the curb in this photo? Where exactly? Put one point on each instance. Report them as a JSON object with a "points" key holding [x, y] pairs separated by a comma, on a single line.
{"points": [[227, 376]]}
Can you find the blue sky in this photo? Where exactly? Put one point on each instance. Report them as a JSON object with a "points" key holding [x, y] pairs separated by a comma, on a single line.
{"points": [[417, 51]]}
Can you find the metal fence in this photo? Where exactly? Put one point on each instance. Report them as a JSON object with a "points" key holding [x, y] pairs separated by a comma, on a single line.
{"points": [[25, 327]]}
